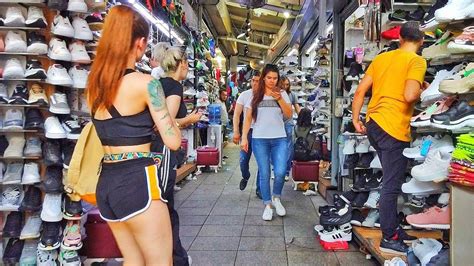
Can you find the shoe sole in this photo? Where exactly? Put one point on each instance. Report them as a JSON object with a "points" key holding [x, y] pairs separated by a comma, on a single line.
{"points": [[84, 60], [38, 48], [72, 218], [391, 251], [79, 85], [60, 82], [55, 135], [424, 123], [65, 57], [59, 111], [467, 121], [66, 247], [432, 226], [84, 36], [53, 247], [457, 48], [357, 223], [31, 236], [63, 32]]}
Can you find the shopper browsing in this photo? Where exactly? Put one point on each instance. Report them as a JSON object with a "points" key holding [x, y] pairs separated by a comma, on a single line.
{"points": [[126, 106], [396, 78], [289, 123], [224, 112], [243, 100], [268, 109], [157, 71], [173, 61]]}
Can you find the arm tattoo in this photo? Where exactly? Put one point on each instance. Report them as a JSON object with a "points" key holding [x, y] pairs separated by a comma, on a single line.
{"points": [[165, 116], [169, 129], [157, 95]]}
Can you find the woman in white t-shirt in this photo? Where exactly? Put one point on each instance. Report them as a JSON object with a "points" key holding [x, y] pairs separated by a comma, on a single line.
{"points": [[268, 109]]}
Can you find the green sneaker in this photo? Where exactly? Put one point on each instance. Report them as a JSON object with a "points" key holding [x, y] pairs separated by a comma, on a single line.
{"points": [[69, 258]]}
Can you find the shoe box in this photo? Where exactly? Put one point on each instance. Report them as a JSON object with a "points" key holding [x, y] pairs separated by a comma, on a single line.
{"points": [[208, 156], [305, 171], [100, 242]]}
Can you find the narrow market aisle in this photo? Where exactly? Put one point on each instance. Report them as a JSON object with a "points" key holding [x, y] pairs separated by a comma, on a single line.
{"points": [[221, 225]]}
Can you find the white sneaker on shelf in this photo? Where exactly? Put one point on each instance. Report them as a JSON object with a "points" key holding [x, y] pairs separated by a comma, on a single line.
{"points": [[13, 119], [58, 50], [79, 76], [416, 187], [415, 151], [32, 227], [36, 18], [16, 143], [14, 16], [79, 53], [15, 42], [33, 147], [77, 6], [267, 214], [81, 29], [53, 128], [432, 93], [373, 199], [434, 168], [349, 147], [51, 211], [30, 174], [11, 197], [57, 75], [14, 69], [13, 174], [62, 26], [363, 146], [59, 104], [376, 164], [280, 210], [455, 10]]}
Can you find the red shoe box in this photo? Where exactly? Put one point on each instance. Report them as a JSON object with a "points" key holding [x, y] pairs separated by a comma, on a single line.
{"points": [[208, 156], [305, 171]]}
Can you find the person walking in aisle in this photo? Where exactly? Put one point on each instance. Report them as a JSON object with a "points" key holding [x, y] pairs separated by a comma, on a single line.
{"points": [[239, 113], [173, 61], [126, 106], [396, 78], [289, 123], [268, 108], [222, 101]]}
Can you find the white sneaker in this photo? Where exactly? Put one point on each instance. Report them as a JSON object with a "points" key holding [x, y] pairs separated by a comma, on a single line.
{"points": [[416, 187], [349, 147], [57, 75], [33, 147], [373, 199], [79, 53], [62, 26], [4, 93], [32, 227], [434, 168], [11, 197], [36, 18], [51, 211], [13, 119], [36, 44], [376, 164], [444, 199], [425, 249], [13, 174], [46, 257], [58, 50], [15, 16], [267, 214], [81, 29], [77, 6], [280, 210], [444, 145], [53, 128], [432, 93], [79, 76], [455, 10], [59, 104], [363, 146], [37, 95], [30, 174], [14, 69], [343, 233], [15, 42], [15, 146], [415, 151], [190, 92]]}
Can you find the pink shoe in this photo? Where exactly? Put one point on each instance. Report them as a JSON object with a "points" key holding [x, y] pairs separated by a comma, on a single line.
{"points": [[435, 217], [72, 239], [423, 119]]}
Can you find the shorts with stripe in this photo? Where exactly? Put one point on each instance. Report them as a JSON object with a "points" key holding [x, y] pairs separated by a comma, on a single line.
{"points": [[127, 188]]}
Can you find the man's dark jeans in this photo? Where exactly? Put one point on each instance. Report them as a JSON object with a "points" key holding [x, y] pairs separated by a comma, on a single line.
{"points": [[245, 160], [394, 166]]}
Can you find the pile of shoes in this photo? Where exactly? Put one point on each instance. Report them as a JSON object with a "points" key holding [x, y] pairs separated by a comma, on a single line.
{"points": [[335, 221]]}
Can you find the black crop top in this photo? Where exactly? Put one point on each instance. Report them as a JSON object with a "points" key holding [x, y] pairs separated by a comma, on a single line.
{"points": [[173, 87], [127, 130]]}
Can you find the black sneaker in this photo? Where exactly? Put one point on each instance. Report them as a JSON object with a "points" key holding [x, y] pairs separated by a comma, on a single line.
{"points": [[403, 236], [20, 95], [365, 160], [3, 144], [339, 203], [417, 201], [360, 199], [398, 15], [34, 70], [417, 15], [355, 71], [72, 209], [459, 115], [57, 4], [34, 119], [52, 153], [324, 83], [72, 127], [37, 43], [68, 149], [12, 253], [54, 180], [361, 181], [393, 246], [348, 196], [357, 218], [336, 216], [13, 225], [243, 184], [430, 17], [375, 182], [50, 236], [402, 218], [351, 161], [32, 200]]}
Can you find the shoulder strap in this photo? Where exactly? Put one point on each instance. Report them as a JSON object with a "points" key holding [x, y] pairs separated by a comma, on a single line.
{"points": [[114, 112]]}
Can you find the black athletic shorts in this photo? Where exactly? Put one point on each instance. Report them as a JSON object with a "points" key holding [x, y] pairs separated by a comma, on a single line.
{"points": [[126, 188]]}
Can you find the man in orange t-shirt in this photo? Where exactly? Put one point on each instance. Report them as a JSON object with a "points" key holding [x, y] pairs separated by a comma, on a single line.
{"points": [[397, 80]]}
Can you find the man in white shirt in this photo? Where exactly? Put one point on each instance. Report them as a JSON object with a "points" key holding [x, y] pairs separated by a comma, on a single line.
{"points": [[239, 112]]}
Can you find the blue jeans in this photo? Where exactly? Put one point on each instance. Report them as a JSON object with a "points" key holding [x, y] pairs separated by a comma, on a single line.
{"points": [[289, 138], [276, 151], [245, 159]]}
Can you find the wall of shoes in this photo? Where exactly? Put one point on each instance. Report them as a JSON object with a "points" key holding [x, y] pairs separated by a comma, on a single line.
{"points": [[442, 119], [45, 53]]}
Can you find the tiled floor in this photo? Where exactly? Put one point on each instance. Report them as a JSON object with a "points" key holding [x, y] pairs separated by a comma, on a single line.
{"points": [[221, 225]]}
